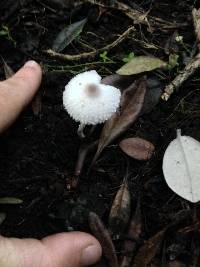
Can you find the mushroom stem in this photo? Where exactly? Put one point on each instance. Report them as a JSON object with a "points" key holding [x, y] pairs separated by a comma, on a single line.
{"points": [[80, 131]]}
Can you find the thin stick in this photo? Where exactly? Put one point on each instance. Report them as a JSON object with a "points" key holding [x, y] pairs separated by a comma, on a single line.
{"points": [[196, 21], [138, 17], [91, 54], [191, 67]]}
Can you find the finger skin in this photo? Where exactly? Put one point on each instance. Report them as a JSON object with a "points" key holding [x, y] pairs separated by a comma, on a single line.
{"points": [[60, 250], [17, 92]]}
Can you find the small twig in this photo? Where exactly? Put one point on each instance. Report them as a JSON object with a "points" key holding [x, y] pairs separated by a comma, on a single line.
{"points": [[138, 16], [91, 54], [196, 21], [191, 67]]}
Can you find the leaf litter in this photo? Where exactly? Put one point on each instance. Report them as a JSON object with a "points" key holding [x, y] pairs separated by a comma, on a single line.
{"points": [[67, 35], [141, 64], [181, 167], [103, 236], [10, 200], [147, 252], [151, 99], [137, 148], [120, 211], [131, 104], [133, 237]]}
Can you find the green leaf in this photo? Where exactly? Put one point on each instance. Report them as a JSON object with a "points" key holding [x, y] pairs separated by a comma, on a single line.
{"points": [[104, 56], [173, 61], [10, 200], [129, 57], [141, 64], [67, 35]]}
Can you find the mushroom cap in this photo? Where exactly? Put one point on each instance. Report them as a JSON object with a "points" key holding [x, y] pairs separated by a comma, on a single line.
{"points": [[88, 101]]}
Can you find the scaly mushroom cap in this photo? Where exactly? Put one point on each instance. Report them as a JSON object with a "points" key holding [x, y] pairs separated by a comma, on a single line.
{"points": [[88, 101]]}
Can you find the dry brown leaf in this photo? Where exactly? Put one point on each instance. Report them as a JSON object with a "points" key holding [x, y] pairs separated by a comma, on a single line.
{"points": [[119, 81], [134, 232], [37, 104], [83, 152], [153, 93], [147, 252], [174, 264], [137, 148], [7, 69], [120, 211], [131, 104], [101, 233]]}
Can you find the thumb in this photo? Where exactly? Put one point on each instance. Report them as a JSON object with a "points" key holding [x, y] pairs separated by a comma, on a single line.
{"points": [[17, 92], [74, 249]]}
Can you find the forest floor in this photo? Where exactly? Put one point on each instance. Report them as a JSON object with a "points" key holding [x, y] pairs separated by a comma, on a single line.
{"points": [[39, 152]]}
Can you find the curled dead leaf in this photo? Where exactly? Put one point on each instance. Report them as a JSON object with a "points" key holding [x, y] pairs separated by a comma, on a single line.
{"points": [[147, 252], [101, 233], [131, 104], [120, 211], [134, 233], [137, 148], [37, 104], [119, 81], [7, 69]]}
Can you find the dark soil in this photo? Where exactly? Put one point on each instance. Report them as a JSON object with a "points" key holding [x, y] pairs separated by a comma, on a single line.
{"points": [[39, 152]]}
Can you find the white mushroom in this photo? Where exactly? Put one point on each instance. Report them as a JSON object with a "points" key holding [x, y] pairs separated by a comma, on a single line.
{"points": [[88, 101]]}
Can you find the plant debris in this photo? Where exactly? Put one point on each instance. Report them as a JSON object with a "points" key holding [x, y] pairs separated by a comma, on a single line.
{"points": [[131, 105], [141, 64], [43, 163], [120, 211], [10, 200], [137, 148], [103, 236], [147, 252], [67, 35], [181, 167]]}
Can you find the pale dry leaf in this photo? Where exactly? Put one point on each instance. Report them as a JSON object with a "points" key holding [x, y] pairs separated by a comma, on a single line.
{"points": [[120, 210], [137, 148], [141, 64], [181, 167], [10, 200], [7, 69]]}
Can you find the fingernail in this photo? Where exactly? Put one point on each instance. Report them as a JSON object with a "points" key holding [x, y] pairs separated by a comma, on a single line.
{"points": [[90, 255], [31, 63]]}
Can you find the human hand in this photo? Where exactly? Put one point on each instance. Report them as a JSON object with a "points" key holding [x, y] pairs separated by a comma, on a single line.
{"points": [[73, 249]]}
